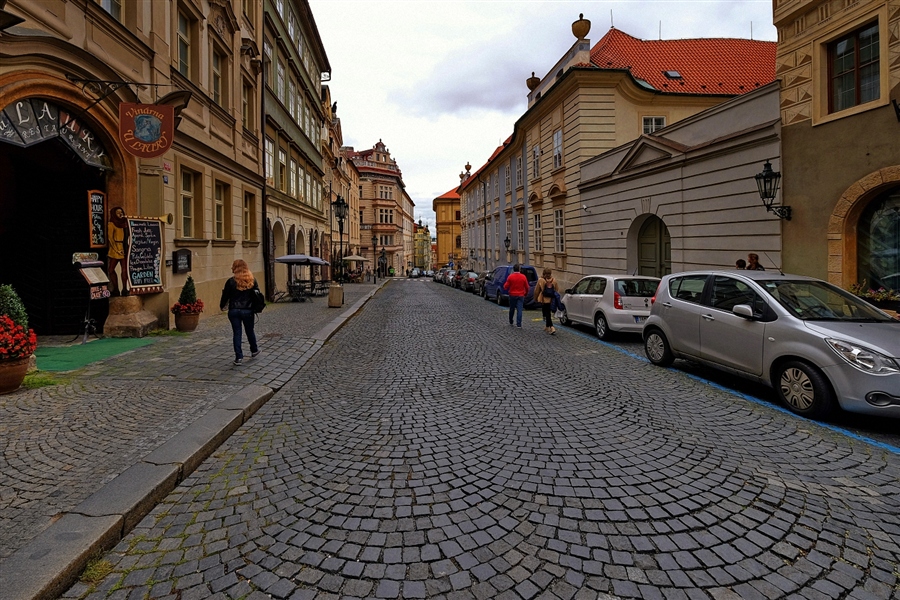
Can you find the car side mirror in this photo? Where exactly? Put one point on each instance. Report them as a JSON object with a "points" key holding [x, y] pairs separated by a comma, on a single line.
{"points": [[743, 310]]}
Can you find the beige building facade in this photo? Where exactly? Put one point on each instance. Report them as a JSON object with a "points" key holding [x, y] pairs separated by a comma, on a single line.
{"points": [[74, 63], [840, 77], [448, 228]]}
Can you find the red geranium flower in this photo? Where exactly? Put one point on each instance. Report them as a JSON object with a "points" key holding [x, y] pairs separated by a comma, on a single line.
{"points": [[15, 341]]}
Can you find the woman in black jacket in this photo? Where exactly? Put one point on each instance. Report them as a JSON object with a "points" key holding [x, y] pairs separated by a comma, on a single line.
{"points": [[237, 295]]}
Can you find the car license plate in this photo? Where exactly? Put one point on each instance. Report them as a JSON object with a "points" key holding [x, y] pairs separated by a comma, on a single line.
{"points": [[640, 319]]}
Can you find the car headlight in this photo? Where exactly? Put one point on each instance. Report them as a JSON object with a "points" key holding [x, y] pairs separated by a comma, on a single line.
{"points": [[864, 359]]}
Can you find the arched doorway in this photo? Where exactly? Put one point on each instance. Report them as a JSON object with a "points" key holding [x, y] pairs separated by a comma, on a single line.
{"points": [[654, 248], [44, 220], [878, 241]]}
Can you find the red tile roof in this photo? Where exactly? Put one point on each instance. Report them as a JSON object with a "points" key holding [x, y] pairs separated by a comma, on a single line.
{"points": [[451, 195], [707, 66]]}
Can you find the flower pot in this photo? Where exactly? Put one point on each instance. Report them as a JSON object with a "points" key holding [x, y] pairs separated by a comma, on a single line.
{"points": [[12, 374], [186, 321], [892, 305]]}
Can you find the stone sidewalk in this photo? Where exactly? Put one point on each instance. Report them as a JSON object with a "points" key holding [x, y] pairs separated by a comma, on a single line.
{"points": [[120, 433]]}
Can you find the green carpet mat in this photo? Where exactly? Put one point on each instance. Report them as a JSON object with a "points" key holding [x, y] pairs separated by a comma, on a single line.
{"points": [[69, 358]]}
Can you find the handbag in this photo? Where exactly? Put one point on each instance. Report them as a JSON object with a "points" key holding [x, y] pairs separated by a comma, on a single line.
{"points": [[258, 301]]}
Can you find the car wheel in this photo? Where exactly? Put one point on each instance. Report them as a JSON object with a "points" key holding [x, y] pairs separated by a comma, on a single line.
{"points": [[564, 319], [656, 346], [804, 390], [499, 299], [601, 326]]}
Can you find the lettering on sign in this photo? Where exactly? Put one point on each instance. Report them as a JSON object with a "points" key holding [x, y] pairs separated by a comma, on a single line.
{"points": [[181, 261], [144, 257], [97, 207]]}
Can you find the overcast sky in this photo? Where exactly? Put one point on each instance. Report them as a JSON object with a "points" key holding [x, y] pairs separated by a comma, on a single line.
{"points": [[443, 82]]}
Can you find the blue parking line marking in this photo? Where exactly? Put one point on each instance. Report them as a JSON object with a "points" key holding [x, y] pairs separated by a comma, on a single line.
{"points": [[754, 399]]}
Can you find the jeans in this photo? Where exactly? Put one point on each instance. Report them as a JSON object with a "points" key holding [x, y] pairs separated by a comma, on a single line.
{"points": [[515, 307], [245, 317]]}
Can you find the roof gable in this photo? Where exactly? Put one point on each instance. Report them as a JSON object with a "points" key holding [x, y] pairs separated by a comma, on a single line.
{"points": [[711, 66]]}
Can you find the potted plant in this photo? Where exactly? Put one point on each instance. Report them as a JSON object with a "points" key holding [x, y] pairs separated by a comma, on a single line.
{"points": [[882, 298], [17, 341], [188, 308]]}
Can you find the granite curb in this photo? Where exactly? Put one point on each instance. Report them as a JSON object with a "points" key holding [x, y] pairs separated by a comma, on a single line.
{"points": [[52, 561]]}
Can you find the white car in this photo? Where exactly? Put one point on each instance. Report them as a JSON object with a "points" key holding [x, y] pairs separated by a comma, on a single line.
{"points": [[610, 303]]}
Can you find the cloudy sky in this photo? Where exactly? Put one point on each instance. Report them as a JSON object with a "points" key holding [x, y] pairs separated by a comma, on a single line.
{"points": [[443, 82]]}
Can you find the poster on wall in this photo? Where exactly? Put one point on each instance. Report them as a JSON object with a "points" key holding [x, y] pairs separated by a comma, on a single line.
{"points": [[145, 255], [97, 208]]}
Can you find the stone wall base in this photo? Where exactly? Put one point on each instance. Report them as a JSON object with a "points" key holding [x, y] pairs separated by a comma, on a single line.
{"points": [[127, 318]]}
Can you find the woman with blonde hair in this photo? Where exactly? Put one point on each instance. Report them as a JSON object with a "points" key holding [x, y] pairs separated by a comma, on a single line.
{"points": [[544, 291], [237, 296]]}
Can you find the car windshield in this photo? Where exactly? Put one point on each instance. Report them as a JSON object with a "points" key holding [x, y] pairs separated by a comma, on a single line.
{"points": [[640, 288], [812, 300]]}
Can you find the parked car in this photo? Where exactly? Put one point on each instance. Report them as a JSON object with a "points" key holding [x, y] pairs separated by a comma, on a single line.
{"points": [[818, 346], [457, 278], [610, 303], [493, 284], [479, 283], [429, 273], [438, 275], [415, 272], [448, 276], [467, 283]]}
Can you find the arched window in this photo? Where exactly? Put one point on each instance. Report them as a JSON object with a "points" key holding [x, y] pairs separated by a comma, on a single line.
{"points": [[878, 242]]}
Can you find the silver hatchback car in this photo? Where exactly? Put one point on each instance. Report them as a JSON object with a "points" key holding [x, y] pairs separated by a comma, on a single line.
{"points": [[815, 344], [610, 303]]}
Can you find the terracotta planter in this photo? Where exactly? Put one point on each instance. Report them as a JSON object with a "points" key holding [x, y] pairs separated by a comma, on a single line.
{"points": [[186, 321], [12, 374]]}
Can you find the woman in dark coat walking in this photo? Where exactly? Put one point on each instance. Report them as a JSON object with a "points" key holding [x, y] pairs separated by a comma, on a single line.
{"points": [[237, 296]]}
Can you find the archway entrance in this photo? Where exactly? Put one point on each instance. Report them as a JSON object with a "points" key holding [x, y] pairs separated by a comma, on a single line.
{"points": [[44, 219], [280, 242], [654, 248], [878, 242]]}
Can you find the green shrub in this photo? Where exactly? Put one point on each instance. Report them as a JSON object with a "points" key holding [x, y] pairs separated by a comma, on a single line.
{"points": [[11, 305], [188, 292]]}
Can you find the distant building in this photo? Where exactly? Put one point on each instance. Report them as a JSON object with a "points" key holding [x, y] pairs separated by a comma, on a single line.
{"points": [[447, 228], [591, 101], [385, 206]]}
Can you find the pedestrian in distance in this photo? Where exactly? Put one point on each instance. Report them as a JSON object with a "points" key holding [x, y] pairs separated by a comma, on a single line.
{"points": [[740, 264], [753, 263], [544, 294], [237, 297], [516, 285]]}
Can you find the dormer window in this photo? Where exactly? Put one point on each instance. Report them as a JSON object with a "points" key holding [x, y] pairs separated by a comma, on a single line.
{"points": [[672, 74]]}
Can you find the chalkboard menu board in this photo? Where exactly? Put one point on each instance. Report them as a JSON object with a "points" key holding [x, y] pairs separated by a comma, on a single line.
{"points": [[97, 207], [145, 255]]}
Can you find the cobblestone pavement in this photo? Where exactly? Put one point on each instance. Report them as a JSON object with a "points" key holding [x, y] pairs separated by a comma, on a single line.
{"points": [[62, 443], [429, 450]]}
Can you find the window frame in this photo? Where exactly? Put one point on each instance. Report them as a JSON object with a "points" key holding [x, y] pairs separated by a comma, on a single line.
{"points": [[652, 122], [557, 149], [855, 71], [222, 210], [190, 221], [538, 233], [559, 230]]}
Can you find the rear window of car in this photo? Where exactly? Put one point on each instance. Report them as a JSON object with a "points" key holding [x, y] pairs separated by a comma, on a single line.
{"points": [[638, 288], [530, 274]]}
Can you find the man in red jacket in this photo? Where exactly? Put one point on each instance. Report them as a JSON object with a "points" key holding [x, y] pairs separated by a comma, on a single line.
{"points": [[517, 286]]}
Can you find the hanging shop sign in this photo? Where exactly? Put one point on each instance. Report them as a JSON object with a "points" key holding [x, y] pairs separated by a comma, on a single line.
{"points": [[29, 121], [146, 130]]}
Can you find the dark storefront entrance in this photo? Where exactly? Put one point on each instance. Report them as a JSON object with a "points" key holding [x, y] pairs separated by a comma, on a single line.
{"points": [[44, 219]]}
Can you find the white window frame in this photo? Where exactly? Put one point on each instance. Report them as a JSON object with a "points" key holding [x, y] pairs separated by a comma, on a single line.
{"points": [[520, 231], [559, 231], [557, 149], [270, 160], [188, 186], [519, 171], [536, 161], [538, 234], [649, 124]]}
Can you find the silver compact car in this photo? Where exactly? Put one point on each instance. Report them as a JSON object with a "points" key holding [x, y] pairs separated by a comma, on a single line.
{"points": [[815, 344], [610, 303]]}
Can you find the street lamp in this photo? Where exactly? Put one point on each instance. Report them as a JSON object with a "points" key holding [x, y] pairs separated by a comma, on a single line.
{"points": [[506, 244], [375, 259], [340, 213], [767, 182]]}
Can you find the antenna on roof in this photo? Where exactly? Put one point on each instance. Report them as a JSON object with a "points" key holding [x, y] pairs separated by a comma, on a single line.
{"points": [[751, 30], [611, 24], [660, 30]]}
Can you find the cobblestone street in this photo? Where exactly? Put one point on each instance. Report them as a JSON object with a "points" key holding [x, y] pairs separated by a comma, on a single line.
{"points": [[429, 450]]}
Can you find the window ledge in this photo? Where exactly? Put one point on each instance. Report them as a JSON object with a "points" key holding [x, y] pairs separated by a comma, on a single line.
{"points": [[224, 243], [250, 243], [191, 243]]}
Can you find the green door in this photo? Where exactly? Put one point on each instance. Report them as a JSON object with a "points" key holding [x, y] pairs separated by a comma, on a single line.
{"points": [[654, 249]]}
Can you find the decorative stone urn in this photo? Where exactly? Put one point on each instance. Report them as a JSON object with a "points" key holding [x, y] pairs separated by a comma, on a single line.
{"points": [[532, 82], [186, 321], [581, 27]]}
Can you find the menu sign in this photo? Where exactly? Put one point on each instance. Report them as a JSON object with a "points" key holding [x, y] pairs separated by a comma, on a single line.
{"points": [[97, 207], [145, 255]]}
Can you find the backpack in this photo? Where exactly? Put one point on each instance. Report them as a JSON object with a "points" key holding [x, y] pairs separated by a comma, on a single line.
{"points": [[258, 301]]}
